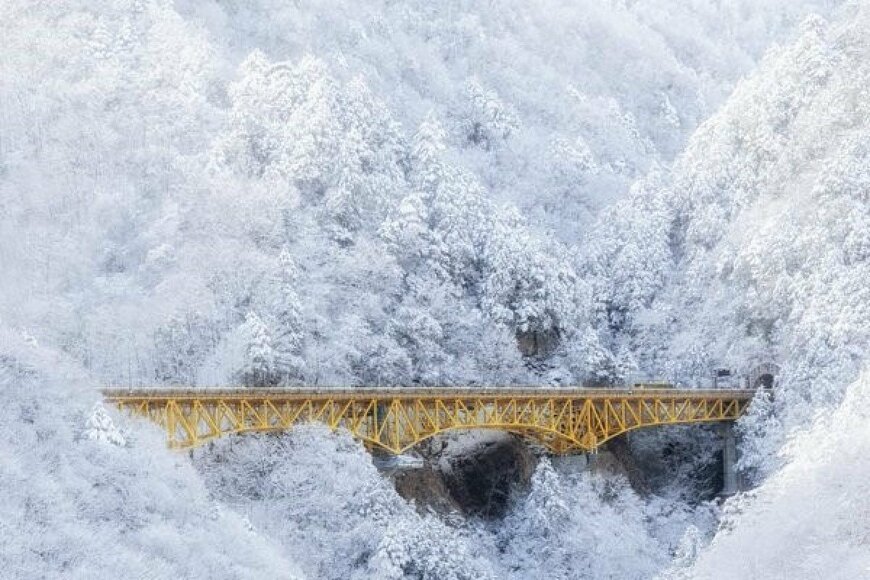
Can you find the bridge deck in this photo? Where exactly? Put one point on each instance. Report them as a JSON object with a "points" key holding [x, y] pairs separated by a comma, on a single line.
{"points": [[564, 419], [358, 393]]}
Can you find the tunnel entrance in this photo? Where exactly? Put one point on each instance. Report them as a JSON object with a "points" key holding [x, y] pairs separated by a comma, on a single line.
{"points": [[763, 376], [764, 381]]}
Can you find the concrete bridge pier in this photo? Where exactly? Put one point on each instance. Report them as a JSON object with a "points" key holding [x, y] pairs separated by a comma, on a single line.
{"points": [[729, 459]]}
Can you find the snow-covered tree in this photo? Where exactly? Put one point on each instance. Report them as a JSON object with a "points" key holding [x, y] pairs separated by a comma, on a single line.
{"points": [[287, 332], [427, 146], [100, 427], [527, 285], [259, 367], [690, 546], [761, 434], [487, 120], [570, 520], [589, 360], [425, 549]]}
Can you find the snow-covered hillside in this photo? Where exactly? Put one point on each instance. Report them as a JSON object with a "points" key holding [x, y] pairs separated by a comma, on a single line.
{"points": [[368, 191], [557, 107], [757, 247], [84, 499], [811, 518], [755, 244], [88, 497], [270, 193]]}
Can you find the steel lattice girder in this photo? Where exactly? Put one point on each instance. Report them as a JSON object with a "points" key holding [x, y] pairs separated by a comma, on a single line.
{"points": [[563, 420]]}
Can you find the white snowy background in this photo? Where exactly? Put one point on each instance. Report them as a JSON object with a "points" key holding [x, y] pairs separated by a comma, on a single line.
{"points": [[382, 193]]}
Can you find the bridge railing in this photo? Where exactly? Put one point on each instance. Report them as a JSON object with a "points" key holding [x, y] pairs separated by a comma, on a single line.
{"points": [[641, 390]]}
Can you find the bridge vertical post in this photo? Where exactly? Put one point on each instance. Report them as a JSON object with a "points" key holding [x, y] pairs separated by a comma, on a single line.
{"points": [[729, 459]]}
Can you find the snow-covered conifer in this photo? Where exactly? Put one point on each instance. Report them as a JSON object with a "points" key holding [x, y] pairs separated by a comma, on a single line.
{"points": [[259, 368], [288, 333], [487, 120], [427, 147], [100, 427]]}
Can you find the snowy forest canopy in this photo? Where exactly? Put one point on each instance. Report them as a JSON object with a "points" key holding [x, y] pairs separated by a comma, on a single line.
{"points": [[181, 211]]}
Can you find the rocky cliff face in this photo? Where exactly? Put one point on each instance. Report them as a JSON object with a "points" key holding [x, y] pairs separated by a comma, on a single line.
{"points": [[473, 473], [480, 473]]}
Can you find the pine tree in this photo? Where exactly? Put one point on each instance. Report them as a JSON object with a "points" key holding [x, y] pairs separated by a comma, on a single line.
{"points": [[287, 341], [588, 359], [427, 147], [487, 119], [690, 546], [545, 508], [572, 162], [259, 363], [424, 548], [392, 556], [406, 232], [625, 364]]}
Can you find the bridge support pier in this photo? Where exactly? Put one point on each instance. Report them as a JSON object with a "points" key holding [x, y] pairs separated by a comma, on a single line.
{"points": [[574, 463], [729, 459]]}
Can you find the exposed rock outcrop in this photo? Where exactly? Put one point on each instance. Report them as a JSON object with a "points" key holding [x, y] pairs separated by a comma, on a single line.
{"points": [[473, 473]]}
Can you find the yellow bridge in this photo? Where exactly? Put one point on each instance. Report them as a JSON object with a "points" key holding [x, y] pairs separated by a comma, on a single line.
{"points": [[563, 420]]}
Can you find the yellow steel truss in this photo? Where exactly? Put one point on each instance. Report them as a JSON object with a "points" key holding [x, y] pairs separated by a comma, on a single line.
{"points": [[563, 420]]}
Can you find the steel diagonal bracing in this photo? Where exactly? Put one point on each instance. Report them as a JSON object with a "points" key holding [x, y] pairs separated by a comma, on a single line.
{"points": [[561, 419]]}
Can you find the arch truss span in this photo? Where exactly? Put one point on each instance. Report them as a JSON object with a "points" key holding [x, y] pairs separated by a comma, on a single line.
{"points": [[563, 420]]}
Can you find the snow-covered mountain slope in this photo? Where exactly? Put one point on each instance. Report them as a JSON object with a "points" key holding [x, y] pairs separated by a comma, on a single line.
{"points": [[84, 499], [88, 494], [557, 107], [164, 188], [755, 244], [811, 518]]}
